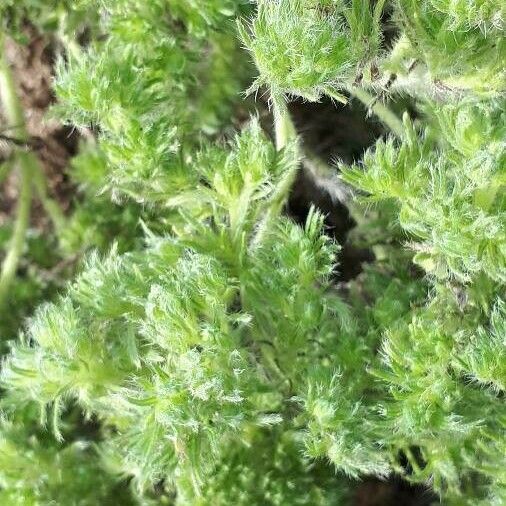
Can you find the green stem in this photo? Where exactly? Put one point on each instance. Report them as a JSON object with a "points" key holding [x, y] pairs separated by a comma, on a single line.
{"points": [[16, 121], [15, 118], [50, 205], [30, 173], [5, 169], [72, 48], [283, 126], [10, 263], [401, 51], [381, 111], [285, 132], [11, 105], [334, 95]]}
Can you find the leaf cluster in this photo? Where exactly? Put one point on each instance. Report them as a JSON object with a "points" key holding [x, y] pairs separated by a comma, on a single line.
{"points": [[176, 348], [462, 43], [150, 94], [448, 193], [219, 358], [310, 47], [66, 17]]}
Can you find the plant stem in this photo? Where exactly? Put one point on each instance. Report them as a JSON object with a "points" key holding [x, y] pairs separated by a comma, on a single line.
{"points": [[16, 121], [73, 49], [30, 173], [50, 205], [326, 177], [11, 105], [283, 126], [15, 118], [17, 240], [334, 95], [285, 132], [381, 111], [5, 169]]}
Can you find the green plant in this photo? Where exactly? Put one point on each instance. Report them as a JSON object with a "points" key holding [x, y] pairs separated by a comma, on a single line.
{"points": [[219, 359]]}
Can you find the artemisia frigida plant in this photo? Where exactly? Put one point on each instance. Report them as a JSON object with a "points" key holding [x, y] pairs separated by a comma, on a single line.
{"points": [[219, 362]]}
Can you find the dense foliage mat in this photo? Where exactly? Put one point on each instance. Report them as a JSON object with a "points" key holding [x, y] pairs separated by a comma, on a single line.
{"points": [[210, 355]]}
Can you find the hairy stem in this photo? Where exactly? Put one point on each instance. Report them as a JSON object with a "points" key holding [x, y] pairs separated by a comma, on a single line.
{"points": [[325, 177], [285, 132], [384, 114], [283, 125], [72, 48]]}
